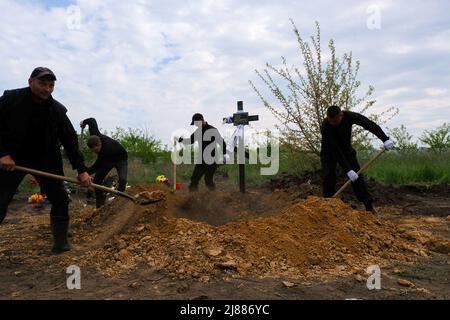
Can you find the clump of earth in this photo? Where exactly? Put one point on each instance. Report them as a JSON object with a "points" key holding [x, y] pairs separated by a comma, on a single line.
{"points": [[225, 234]]}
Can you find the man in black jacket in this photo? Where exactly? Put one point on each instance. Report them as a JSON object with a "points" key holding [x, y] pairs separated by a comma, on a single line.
{"points": [[336, 148], [33, 125], [110, 155], [208, 138]]}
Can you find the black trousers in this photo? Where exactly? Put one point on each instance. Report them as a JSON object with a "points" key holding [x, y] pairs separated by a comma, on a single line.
{"points": [[122, 171], [329, 164], [208, 171], [55, 191]]}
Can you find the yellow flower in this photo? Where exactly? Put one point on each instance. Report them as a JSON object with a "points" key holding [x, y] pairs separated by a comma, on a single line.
{"points": [[36, 198], [160, 178]]}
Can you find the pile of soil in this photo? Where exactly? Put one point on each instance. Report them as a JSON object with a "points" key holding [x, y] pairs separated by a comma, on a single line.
{"points": [[224, 234], [415, 198]]}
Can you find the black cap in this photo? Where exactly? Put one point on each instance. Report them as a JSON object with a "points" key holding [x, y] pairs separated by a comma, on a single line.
{"points": [[197, 117], [41, 72]]}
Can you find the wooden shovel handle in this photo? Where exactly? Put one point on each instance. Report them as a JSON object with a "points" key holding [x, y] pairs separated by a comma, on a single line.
{"points": [[174, 166], [363, 168], [72, 180], [81, 139]]}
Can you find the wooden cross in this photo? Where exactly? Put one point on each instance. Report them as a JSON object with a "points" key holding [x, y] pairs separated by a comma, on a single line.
{"points": [[241, 118]]}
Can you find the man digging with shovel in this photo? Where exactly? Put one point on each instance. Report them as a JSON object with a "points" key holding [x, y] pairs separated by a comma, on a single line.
{"points": [[111, 155], [336, 148], [33, 125], [206, 136]]}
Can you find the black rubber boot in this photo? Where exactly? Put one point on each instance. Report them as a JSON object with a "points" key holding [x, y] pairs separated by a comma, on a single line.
{"points": [[193, 188], [60, 228], [100, 198], [370, 208], [122, 185], [3, 212]]}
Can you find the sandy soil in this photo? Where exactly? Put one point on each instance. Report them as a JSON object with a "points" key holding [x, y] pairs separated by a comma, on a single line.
{"points": [[117, 247]]}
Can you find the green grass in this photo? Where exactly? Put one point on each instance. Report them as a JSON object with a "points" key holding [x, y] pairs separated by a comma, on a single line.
{"points": [[228, 174], [419, 167]]}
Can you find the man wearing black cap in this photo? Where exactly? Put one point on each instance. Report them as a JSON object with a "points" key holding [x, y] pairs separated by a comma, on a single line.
{"points": [[33, 125], [208, 137], [336, 148], [111, 155]]}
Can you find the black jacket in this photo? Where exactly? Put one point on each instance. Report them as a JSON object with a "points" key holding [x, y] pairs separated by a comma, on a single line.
{"points": [[112, 151], [15, 120], [336, 141], [206, 139]]}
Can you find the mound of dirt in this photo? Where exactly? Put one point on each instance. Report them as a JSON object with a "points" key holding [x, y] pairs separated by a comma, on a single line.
{"points": [[255, 235]]}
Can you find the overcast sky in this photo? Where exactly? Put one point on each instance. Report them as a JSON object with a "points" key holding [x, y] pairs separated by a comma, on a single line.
{"points": [[152, 64]]}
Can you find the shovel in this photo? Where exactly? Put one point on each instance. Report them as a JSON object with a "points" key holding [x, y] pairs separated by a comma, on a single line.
{"points": [[363, 168], [174, 166], [136, 200], [81, 139]]}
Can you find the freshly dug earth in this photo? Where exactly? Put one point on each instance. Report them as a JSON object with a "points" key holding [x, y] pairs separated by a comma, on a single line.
{"points": [[193, 238], [221, 235]]}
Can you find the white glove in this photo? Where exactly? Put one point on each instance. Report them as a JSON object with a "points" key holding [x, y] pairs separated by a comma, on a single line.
{"points": [[352, 175], [389, 144], [226, 158]]}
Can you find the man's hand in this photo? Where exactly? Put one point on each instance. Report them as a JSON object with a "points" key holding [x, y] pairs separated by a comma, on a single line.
{"points": [[352, 175], [7, 163], [226, 158], [389, 144], [82, 125], [85, 179]]}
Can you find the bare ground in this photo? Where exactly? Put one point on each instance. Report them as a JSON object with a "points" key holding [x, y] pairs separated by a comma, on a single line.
{"points": [[25, 272]]}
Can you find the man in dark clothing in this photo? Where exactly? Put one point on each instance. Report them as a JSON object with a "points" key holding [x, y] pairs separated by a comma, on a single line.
{"points": [[110, 155], [33, 125], [208, 137], [336, 148]]}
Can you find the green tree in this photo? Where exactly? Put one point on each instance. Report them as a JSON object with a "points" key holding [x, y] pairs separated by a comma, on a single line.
{"points": [[306, 94], [439, 139], [139, 143], [403, 140]]}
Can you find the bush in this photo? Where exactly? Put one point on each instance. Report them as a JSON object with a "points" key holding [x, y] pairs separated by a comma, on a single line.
{"points": [[439, 139], [403, 140], [139, 144]]}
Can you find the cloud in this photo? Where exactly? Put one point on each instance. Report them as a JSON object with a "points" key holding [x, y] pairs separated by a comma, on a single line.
{"points": [[153, 64], [434, 92]]}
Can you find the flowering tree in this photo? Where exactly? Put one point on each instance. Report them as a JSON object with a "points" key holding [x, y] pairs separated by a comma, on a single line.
{"points": [[304, 95]]}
